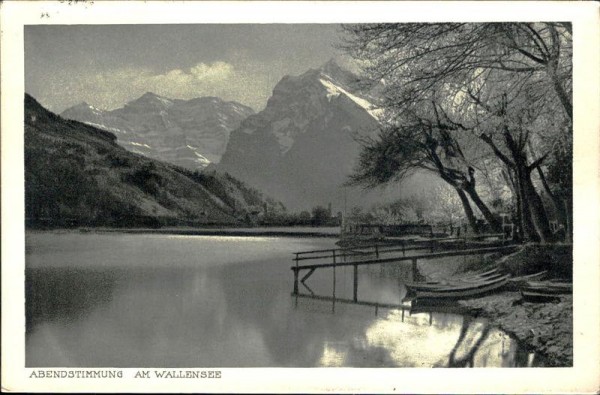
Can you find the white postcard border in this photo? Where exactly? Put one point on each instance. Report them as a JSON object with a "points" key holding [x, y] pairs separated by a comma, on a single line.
{"points": [[582, 378]]}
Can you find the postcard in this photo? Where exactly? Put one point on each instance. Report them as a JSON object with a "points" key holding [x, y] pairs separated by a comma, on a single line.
{"points": [[300, 197]]}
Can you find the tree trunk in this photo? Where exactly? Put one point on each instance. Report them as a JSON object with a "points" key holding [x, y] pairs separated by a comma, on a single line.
{"points": [[468, 210], [534, 218], [507, 173], [569, 219], [556, 203], [527, 228], [536, 209], [518, 233], [488, 215]]}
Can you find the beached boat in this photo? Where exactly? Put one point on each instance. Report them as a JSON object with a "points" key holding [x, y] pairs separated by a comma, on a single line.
{"points": [[520, 282], [529, 277], [545, 291], [556, 287], [427, 285], [488, 277], [455, 281], [539, 296], [462, 291]]}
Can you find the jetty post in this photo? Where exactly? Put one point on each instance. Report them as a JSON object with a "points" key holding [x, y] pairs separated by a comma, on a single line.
{"points": [[355, 293], [296, 269], [414, 268]]}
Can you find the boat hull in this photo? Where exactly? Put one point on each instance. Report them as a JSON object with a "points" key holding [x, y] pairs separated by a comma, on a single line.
{"points": [[462, 292], [539, 297]]}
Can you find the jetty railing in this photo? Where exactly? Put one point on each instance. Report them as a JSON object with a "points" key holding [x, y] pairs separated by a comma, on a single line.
{"points": [[311, 268], [387, 247]]}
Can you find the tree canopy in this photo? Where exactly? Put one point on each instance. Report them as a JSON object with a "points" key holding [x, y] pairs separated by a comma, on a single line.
{"points": [[461, 97]]}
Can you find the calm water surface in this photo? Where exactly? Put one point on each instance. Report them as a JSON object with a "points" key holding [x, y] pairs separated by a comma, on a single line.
{"points": [[126, 300]]}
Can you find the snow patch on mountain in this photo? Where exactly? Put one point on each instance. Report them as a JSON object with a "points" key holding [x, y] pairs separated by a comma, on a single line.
{"points": [[139, 145], [161, 128], [201, 159], [93, 109], [283, 133], [109, 128], [165, 101], [334, 90]]}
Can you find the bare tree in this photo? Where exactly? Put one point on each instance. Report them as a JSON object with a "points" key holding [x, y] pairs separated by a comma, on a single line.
{"points": [[492, 82], [400, 150], [420, 57]]}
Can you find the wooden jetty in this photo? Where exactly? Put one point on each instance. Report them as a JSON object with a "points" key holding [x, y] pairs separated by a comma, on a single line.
{"points": [[402, 245], [337, 257]]}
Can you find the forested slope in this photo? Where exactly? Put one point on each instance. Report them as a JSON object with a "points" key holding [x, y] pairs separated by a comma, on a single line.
{"points": [[76, 175]]}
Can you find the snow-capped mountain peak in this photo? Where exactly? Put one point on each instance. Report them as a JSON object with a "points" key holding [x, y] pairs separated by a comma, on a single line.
{"points": [[85, 107], [190, 133], [335, 72], [151, 99], [301, 146]]}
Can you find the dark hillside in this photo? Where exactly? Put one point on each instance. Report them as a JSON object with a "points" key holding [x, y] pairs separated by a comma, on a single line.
{"points": [[76, 175]]}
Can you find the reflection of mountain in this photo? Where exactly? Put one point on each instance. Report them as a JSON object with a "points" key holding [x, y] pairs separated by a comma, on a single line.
{"points": [[64, 295], [301, 147], [189, 133]]}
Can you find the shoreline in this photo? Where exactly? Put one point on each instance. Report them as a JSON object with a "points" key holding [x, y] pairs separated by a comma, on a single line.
{"points": [[545, 328], [325, 232]]}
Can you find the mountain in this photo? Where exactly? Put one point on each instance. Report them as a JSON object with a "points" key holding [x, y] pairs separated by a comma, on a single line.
{"points": [[301, 147], [188, 133], [77, 174]]}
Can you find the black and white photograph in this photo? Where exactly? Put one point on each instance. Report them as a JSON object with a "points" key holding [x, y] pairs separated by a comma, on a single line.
{"points": [[376, 192]]}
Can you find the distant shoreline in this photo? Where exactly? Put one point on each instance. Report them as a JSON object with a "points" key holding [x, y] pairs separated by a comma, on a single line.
{"points": [[329, 232]]}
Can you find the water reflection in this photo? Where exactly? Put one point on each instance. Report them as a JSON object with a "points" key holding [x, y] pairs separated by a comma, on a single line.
{"points": [[409, 335], [105, 300], [423, 339], [66, 294]]}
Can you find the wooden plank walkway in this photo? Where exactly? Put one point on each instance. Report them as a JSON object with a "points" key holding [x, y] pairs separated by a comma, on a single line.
{"points": [[394, 246], [297, 268]]}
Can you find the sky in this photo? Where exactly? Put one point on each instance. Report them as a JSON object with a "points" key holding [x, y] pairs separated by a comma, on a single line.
{"points": [[109, 65]]}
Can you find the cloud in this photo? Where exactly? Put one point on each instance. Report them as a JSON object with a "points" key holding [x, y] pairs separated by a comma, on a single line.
{"points": [[216, 71], [201, 79], [111, 89], [250, 83]]}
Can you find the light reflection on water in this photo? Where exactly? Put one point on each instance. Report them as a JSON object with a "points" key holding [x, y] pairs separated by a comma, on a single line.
{"points": [[158, 300]]}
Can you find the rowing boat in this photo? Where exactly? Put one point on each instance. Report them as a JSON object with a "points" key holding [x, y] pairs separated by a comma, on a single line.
{"points": [[413, 287], [468, 281], [518, 283], [479, 279], [462, 291], [529, 277], [539, 296], [556, 287]]}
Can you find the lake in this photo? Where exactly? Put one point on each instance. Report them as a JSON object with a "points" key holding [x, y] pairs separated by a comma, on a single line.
{"points": [[140, 300]]}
